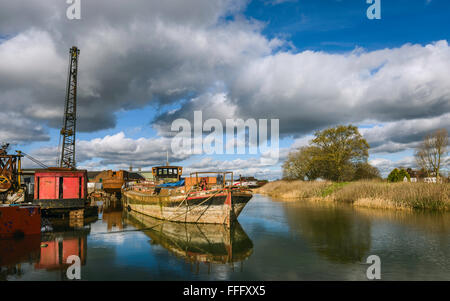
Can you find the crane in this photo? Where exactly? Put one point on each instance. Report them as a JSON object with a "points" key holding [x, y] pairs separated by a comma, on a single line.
{"points": [[68, 131]]}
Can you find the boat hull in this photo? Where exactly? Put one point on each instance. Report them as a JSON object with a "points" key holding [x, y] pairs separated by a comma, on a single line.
{"points": [[218, 208], [113, 185], [18, 221]]}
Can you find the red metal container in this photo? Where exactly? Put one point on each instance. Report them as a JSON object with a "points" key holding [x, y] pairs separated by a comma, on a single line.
{"points": [[60, 188], [17, 221]]}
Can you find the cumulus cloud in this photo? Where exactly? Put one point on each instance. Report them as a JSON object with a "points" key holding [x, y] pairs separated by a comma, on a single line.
{"points": [[243, 167], [131, 55], [115, 150], [14, 130], [204, 55], [121, 152], [312, 89], [385, 166], [400, 135]]}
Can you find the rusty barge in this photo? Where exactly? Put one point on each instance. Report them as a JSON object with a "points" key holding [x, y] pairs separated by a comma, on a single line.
{"points": [[17, 221], [195, 199]]}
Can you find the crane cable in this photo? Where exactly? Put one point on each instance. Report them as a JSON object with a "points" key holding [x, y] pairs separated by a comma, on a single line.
{"points": [[35, 160]]}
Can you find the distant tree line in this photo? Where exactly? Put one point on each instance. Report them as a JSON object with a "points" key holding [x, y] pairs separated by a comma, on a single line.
{"points": [[336, 154]]}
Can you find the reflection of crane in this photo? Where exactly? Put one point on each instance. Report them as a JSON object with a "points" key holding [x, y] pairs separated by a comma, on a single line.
{"points": [[67, 158]]}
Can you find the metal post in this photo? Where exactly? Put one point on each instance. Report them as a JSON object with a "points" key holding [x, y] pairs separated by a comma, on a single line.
{"points": [[19, 168]]}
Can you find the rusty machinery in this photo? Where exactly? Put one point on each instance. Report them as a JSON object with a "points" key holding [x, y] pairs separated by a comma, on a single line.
{"points": [[12, 188], [10, 170]]}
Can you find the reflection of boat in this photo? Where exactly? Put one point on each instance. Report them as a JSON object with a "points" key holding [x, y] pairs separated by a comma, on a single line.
{"points": [[16, 251], [113, 219], [195, 199], [196, 242]]}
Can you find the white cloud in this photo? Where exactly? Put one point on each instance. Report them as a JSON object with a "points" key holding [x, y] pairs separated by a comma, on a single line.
{"points": [[114, 150], [166, 52], [400, 135], [385, 166], [244, 167]]}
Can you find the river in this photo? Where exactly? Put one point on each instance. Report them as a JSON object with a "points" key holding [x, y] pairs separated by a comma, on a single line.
{"points": [[273, 240]]}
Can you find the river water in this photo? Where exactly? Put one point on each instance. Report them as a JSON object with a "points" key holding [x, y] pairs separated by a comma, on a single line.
{"points": [[274, 240]]}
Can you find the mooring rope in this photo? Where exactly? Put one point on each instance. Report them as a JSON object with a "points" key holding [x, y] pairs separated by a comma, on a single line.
{"points": [[163, 221]]}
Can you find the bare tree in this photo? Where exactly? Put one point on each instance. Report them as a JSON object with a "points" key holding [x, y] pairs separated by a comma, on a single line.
{"points": [[431, 152]]}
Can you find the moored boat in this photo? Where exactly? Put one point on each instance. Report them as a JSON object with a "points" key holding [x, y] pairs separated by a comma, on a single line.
{"points": [[112, 181], [19, 220], [195, 199]]}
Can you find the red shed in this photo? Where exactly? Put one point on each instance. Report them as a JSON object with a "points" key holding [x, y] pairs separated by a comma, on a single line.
{"points": [[60, 188]]}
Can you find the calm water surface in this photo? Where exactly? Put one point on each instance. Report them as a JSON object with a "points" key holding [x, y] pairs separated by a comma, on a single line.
{"points": [[273, 241]]}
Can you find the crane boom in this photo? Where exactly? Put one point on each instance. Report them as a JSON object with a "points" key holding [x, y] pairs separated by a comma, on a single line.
{"points": [[68, 131]]}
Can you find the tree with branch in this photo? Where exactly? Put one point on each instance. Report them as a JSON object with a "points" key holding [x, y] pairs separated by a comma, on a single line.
{"points": [[338, 154], [431, 152]]}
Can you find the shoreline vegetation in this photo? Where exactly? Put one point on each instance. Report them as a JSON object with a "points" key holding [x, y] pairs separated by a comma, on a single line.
{"points": [[370, 193]]}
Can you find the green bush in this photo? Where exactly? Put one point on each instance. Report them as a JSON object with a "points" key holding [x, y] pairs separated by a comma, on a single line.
{"points": [[397, 175]]}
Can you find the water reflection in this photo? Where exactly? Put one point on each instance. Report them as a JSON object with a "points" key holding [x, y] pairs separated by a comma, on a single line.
{"points": [[48, 251], [195, 243], [112, 215], [281, 241], [336, 233], [56, 247], [15, 252]]}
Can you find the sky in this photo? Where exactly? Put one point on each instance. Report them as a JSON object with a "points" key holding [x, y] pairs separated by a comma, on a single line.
{"points": [[311, 64]]}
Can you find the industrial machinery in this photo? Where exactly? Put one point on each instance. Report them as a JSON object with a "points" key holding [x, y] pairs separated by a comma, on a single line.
{"points": [[58, 190], [9, 169], [67, 156], [12, 186], [10, 176]]}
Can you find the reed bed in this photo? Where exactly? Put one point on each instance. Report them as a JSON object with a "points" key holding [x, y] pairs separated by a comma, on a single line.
{"points": [[372, 194], [292, 190]]}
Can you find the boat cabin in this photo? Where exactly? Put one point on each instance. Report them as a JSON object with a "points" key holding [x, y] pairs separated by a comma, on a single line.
{"points": [[167, 173]]}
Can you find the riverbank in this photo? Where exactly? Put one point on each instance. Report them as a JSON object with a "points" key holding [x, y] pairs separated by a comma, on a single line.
{"points": [[371, 194]]}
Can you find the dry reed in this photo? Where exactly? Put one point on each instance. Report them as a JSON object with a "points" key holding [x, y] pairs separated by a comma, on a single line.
{"points": [[373, 194]]}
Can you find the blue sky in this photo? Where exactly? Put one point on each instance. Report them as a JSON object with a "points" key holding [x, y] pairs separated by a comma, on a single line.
{"points": [[343, 25], [332, 35]]}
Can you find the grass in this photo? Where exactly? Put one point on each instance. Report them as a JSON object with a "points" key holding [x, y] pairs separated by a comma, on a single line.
{"points": [[373, 194], [330, 189], [293, 189]]}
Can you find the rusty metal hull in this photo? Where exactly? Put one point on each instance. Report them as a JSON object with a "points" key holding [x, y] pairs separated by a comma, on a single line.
{"points": [[196, 242], [18, 221], [113, 185], [203, 208]]}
